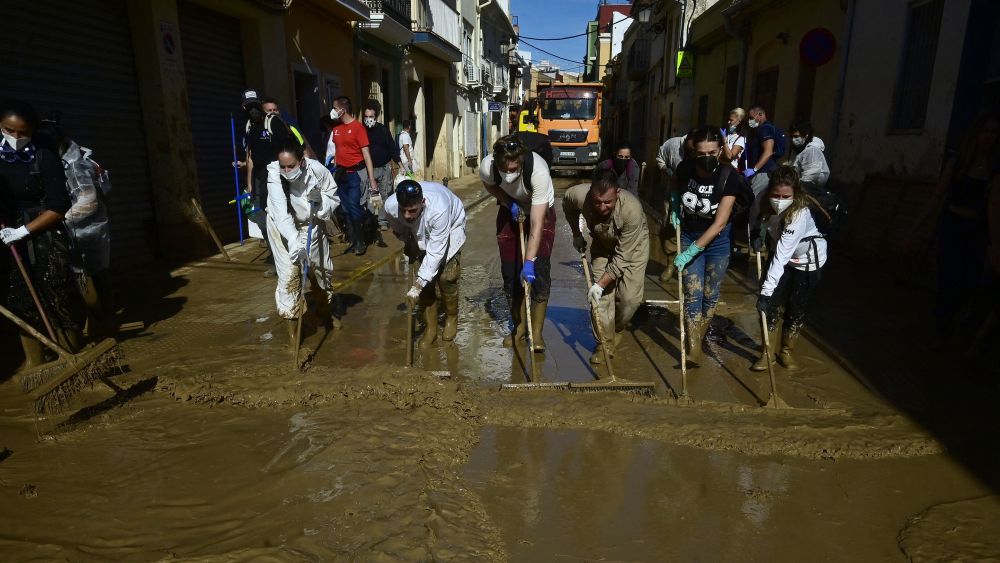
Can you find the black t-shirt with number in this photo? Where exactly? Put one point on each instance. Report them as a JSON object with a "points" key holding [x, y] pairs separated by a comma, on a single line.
{"points": [[264, 145], [699, 198]]}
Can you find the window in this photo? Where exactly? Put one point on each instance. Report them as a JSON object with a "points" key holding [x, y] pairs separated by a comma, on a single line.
{"points": [[703, 110], [913, 88], [805, 90], [732, 84], [765, 91], [570, 109]]}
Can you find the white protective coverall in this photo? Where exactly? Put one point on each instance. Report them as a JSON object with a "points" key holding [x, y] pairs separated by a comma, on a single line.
{"points": [[439, 232], [87, 219], [288, 211], [811, 164]]}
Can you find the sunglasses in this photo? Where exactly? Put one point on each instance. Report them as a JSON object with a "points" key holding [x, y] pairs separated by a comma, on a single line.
{"points": [[510, 146]]}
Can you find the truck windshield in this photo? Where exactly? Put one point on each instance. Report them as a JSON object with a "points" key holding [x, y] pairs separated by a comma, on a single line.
{"points": [[568, 108]]}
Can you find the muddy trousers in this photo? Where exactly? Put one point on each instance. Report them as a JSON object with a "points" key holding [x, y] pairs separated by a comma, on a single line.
{"points": [[508, 241], [288, 294], [444, 286], [620, 300], [383, 176], [794, 290], [703, 275]]}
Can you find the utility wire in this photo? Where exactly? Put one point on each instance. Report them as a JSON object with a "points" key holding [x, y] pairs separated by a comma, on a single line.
{"points": [[606, 27], [551, 53]]}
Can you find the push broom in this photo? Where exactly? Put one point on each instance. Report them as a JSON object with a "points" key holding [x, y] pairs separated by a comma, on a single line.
{"points": [[75, 370]]}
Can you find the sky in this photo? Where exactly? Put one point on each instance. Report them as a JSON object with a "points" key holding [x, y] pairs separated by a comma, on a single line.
{"points": [[555, 18]]}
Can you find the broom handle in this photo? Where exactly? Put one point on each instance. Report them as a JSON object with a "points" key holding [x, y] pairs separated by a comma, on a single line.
{"points": [[31, 289], [595, 317], [34, 333], [208, 226], [767, 337], [409, 318], [680, 317], [527, 305]]}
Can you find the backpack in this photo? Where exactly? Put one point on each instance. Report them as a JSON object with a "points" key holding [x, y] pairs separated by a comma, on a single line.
{"points": [[827, 209], [780, 144], [744, 196], [536, 143], [292, 132]]}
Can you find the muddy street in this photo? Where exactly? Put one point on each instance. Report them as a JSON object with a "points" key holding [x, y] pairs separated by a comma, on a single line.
{"points": [[223, 452]]}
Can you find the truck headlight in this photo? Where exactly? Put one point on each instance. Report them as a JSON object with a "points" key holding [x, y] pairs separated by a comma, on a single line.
{"points": [[593, 154]]}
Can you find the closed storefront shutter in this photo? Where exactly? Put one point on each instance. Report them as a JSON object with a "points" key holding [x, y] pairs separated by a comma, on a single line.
{"points": [[77, 58], [471, 122], [213, 70]]}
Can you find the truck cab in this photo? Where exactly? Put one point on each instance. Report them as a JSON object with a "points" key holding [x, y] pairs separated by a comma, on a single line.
{"points": [[570, 116]]}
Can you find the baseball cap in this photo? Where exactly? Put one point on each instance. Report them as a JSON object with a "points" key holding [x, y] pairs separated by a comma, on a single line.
{"points": [[250, 97]]}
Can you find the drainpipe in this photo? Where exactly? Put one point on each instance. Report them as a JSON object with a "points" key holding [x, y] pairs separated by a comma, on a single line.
{"points": [[741, 36], [838, 101]]}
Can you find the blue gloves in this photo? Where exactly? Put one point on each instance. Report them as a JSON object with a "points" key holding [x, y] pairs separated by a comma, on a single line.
{"points": [[688, 255], [515, 210], [528, 271], [723, 132], [675, 207], [764, 304], [749, 173]]}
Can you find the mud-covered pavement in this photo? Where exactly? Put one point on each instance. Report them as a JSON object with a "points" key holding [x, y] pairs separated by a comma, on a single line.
{"points": [[223, 453]]}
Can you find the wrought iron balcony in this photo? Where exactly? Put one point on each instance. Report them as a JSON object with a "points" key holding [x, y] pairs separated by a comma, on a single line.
{"points": [[398, 10], [470, 70]]}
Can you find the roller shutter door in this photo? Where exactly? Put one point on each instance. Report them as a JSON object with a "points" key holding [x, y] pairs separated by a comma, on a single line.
{"points": [[213, 69], [76, 57]]}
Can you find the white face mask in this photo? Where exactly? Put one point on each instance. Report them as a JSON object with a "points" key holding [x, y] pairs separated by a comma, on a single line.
{"points": [[293, 174], [780, 205], [369, 122], [335, 115], [16, 144], [753, 123], [511, 177], [798, 141]]}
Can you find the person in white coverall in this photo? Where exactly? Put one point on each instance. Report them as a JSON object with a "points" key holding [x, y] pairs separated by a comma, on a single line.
{"points": [[810, 162], [299, 190], [798, 252], [430, 220]]}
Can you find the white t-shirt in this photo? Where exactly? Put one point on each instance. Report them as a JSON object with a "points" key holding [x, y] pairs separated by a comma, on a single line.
{"points": [[735, 140], [543, 192], [403, 140]]}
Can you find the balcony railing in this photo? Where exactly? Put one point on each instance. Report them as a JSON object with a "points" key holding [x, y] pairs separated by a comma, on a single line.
{"points": [[398, 10]]}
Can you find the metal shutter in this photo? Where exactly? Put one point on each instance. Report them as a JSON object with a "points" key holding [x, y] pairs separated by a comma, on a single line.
{"points": [[76, 57], [213, 69], [471, 125]]}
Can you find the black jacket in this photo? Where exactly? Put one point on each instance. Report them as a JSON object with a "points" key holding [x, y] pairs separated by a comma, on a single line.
{"points": [[381, 145]]}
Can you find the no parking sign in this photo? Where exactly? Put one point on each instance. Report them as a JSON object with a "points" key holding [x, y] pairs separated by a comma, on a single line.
{"points": [[817, 46]]}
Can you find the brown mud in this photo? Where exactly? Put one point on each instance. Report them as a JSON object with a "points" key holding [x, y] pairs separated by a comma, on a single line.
{"points": [[227, 454]]}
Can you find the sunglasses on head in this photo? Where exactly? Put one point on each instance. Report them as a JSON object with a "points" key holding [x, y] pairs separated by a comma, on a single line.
{"points": [[510, 146]]}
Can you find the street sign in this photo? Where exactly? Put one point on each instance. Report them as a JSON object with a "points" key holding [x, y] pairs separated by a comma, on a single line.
{"points": [[495, 107], [685, 64], [817, 46]]}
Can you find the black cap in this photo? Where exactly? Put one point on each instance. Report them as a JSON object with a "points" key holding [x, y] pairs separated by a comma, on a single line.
{"points": [[250, 97], [409, 192]]}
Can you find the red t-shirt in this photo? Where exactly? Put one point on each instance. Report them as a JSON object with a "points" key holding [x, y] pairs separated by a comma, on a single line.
{"points": [[350, 138]]}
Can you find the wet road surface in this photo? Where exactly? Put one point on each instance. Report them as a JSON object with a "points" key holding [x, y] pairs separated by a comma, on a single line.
{"points": [[228, 455]]}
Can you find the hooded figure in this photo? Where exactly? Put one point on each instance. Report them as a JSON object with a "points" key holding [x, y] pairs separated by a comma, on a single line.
{"points": [[809, 161]]}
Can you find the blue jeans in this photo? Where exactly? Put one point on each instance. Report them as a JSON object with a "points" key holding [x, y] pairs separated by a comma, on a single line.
{"points": [[350, 196], [703, 275]]}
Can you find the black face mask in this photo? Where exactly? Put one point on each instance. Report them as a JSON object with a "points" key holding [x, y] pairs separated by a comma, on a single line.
{"points": [[256, 114], [620, 165], [708, 163]]}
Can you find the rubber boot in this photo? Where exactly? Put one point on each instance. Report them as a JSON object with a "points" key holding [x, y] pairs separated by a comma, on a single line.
{"points": [[762, 361], [538, 323], [360, 245], [431, 328], [789, 334], [597, 358], [696, 336], [668, 272], [351, 239], [517, 332], [450, 318], [379, 242], [34, 352]]}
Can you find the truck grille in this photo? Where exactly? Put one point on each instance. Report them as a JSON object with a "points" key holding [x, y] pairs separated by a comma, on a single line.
{"points": [[567, 136]]}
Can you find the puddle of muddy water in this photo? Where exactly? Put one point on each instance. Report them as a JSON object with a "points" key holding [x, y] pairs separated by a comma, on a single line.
{"points": [[587, 495]]}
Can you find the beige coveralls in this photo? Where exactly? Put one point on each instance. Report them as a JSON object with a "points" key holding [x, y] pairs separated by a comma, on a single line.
{"points": [[620, 246]]}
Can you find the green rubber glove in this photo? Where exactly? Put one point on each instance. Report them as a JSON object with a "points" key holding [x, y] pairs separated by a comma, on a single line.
{"points": [[688, 255], [675, 207]]}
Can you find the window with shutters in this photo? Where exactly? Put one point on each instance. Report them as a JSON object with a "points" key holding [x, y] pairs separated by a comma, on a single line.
{"points": [[916, 71], [765, 91]]}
